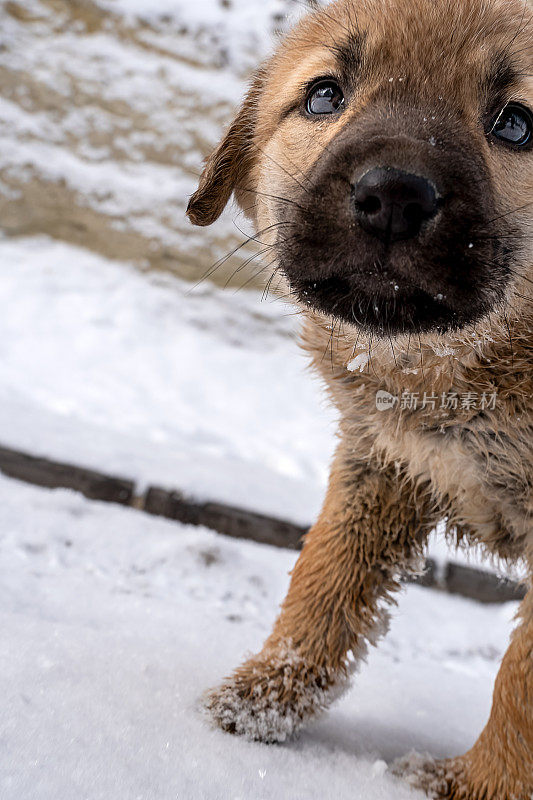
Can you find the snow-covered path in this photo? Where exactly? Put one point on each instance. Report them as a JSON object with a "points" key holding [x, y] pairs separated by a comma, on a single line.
{"points": [[112, 623], [135, 374]]}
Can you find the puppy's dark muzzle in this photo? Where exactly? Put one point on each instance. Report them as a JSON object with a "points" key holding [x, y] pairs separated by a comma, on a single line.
{"points": [[393, 230], [394, 205]]}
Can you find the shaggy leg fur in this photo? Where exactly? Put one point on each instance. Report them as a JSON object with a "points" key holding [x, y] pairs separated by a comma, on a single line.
{"points": [[371, 529], [500, 765]]}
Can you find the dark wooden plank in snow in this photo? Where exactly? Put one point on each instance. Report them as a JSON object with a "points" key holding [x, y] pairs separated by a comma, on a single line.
{"points": [[480, 585], [230, 520], [55, 475], [467, 581]]}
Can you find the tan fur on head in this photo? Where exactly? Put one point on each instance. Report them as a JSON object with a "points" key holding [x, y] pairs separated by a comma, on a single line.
{"points": [[441, 309]]}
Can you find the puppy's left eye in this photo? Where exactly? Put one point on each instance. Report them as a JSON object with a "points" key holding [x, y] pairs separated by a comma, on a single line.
{"points": [[324, 97], [514, 126]]}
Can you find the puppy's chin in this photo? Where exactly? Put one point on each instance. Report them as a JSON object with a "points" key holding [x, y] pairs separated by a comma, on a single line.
{"points": [[379, 313], [388, 307], [444, 280], [390, 294]]}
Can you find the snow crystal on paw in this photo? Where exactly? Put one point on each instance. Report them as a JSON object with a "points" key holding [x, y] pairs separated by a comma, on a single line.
{"points": [[256, 712], [252, 718], [379, 768], [422, 771]]}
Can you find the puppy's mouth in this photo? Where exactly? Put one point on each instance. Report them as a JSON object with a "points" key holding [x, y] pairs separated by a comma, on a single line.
{"points": [[437, 282], [392, 308]]}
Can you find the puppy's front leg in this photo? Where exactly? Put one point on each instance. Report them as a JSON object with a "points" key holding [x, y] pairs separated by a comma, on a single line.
{"points": [[371, 529]]}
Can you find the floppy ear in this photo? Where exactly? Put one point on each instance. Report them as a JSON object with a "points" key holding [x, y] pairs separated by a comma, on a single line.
{"points": [[228, 167]]}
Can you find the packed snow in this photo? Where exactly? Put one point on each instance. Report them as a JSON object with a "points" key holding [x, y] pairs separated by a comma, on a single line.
{"points": [[114, 623], [140, 375]]}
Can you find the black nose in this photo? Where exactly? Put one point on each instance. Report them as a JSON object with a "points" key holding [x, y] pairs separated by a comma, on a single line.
{"points": [[393, 204]]}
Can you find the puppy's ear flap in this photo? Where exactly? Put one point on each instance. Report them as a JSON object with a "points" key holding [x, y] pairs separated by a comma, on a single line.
{"points": [[228, 167]]}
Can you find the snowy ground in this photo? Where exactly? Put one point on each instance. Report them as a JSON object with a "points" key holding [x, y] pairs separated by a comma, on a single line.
{"points": [[132, 373], [112, 623]]}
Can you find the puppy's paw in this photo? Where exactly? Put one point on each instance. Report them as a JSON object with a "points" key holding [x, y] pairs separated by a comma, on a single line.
{"points": [[440, 780], [270, 696]]}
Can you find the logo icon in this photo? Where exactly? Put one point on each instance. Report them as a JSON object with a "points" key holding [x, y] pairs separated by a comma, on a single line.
{"points": [[385, 400]]}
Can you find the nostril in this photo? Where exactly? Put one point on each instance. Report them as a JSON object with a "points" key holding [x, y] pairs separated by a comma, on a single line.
{"points": [[369, 205], [414, 213]]}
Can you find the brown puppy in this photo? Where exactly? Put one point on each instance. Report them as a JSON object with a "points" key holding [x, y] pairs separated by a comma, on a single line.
{"points": [[385, 153]]}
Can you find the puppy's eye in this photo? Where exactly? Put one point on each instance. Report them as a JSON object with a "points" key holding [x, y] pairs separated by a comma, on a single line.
{"points": [[324, 97], [514, 126]]}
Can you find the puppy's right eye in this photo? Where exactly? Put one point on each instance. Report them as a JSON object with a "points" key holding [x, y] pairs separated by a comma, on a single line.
{"points": [[514, 126], [324, 97]]}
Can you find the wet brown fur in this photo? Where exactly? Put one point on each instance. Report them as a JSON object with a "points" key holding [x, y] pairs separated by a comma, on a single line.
{"points": [[396, 474]]}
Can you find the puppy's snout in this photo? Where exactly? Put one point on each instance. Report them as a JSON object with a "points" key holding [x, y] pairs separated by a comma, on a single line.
{"points": [[392, 204]]}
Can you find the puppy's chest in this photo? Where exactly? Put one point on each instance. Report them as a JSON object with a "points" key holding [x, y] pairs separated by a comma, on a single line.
{"points": [[498, 454], [474, 447]]}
